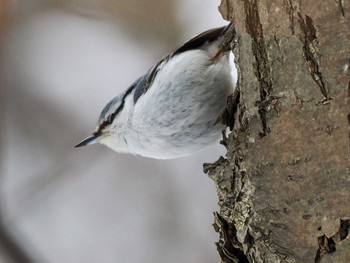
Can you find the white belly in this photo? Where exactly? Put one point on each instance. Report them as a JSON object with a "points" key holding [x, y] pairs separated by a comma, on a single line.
{"points": [[176, 116]]}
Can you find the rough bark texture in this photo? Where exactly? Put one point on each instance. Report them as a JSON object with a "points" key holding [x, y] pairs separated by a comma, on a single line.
{"points": [[284, 186]]}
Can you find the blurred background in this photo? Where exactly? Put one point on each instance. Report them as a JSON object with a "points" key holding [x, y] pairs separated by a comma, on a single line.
{"points": [[61, 62]]}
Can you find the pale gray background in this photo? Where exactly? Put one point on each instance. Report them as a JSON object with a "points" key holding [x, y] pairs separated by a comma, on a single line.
{"points": [[62, 61]]}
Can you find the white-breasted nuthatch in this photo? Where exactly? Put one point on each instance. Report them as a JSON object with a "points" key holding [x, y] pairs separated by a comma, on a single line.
{"points": [[172, 110]]}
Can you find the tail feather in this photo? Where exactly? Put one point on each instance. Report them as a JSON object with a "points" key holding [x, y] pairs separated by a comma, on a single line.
{"points": [[228, 34]]}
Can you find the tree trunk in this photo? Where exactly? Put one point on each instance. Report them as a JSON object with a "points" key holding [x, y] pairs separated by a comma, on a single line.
{"points": [[284, 186]]}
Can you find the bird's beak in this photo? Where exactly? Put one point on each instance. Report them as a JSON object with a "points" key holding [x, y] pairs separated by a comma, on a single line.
{"points": [[89, 140]]}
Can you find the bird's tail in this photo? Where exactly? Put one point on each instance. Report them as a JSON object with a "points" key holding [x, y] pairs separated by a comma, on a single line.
{"points": [[228, 34]]}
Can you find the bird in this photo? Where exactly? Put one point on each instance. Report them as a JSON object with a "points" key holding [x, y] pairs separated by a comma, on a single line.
{"points": [[172, 110]]}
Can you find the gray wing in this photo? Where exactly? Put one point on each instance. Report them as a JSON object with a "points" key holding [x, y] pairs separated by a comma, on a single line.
{"points": [[140, 86]]}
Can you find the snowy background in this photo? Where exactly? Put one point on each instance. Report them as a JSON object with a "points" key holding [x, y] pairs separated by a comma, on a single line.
{"points": [[62, 61]]}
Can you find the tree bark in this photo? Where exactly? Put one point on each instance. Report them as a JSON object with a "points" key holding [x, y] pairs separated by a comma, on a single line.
{"points": [[284, 186]]}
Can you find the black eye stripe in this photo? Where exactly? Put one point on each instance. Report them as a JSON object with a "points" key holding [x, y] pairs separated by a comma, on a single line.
{"points": [[111, 117]]}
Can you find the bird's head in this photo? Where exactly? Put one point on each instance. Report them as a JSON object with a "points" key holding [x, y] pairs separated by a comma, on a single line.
{"points": [[105, 122]]}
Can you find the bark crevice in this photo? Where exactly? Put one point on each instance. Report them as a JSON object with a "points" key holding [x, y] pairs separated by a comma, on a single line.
{"points": [[261, 64], [311, 54]]}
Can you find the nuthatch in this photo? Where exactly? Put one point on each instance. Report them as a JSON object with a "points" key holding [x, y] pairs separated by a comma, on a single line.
{"points": [[172, 110]]}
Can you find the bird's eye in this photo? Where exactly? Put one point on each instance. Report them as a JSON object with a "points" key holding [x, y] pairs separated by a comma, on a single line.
{"points": [[111, 117]]}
